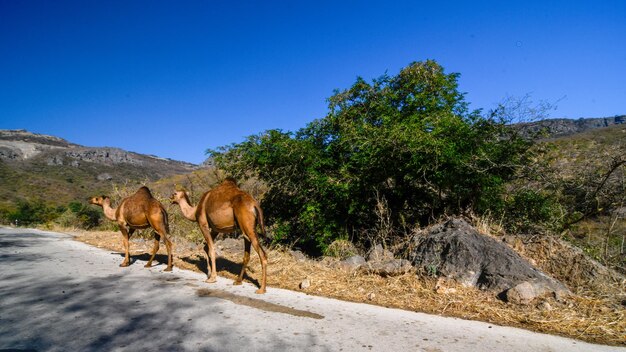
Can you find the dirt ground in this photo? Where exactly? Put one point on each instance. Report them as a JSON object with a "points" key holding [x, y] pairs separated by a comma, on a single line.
{"points": [[595, 317]]}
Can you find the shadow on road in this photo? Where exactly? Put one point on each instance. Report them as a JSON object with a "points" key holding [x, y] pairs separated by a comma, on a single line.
{"points": [[221, 264], [58, 302]]}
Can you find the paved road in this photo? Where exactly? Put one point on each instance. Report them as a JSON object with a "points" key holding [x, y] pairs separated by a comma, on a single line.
{"points": [[60, 295]]}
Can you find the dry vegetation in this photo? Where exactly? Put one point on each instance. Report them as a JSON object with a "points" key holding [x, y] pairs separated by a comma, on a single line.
{"points": [[592, 315]]}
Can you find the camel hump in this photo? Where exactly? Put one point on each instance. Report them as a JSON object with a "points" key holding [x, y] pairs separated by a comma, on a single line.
{"points": [[230, 181], [144, 191]]}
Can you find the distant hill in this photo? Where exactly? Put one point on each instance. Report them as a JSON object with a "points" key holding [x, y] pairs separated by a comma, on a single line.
{"points": [[37, 167], [550, 128]]}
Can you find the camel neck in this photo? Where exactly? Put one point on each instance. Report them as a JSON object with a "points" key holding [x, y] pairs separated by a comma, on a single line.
{"points": [[109, 212], [189, 211]]}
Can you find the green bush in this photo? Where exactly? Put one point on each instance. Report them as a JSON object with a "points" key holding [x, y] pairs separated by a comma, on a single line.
{"points": [[79, 215], [528, 211], [36, 212], [409, 139]]}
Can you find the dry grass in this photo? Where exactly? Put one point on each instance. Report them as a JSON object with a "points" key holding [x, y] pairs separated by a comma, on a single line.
{"points": [[589, 316]]}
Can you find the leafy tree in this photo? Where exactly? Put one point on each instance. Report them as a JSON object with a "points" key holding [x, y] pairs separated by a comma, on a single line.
{"points": [[408, 141], [35, 212]]}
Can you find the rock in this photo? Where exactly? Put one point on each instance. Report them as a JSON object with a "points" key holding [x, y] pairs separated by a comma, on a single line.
{"points": [[352, 263], [391, 267], [456, 250], [371, 296], [441, 287], [230, 245], [306, 283], [544, 306], [527, 291], [105, 177], [9, 154], [523, 293], [378, 253], [298, 256], [561, 296]]}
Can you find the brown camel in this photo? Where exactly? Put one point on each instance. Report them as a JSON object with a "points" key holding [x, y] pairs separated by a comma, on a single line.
{"points": [[222, 210], [139, 211]]}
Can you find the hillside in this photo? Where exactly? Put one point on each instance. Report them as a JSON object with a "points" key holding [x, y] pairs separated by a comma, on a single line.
{"points": [[567, 127], [47, 169], [587, 172]]}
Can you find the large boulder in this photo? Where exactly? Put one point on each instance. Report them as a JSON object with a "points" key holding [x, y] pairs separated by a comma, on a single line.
{"points": [[456, 250]]}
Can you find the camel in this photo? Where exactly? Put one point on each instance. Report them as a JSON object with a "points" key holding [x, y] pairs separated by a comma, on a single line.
{"points": [[222, 210], [139, 211]]}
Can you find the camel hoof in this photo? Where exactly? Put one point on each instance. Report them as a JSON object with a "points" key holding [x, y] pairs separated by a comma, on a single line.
{"points": [[236, 283], [148, 266], [123, 265], [169, 268], [211, 280], [260, 291]]}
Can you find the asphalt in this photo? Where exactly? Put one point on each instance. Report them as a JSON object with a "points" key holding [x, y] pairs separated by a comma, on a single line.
{"points": [[57, 294]]}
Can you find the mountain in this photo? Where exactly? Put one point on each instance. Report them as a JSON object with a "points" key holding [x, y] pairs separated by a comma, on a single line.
{"points": [[549, 128], [48, 169]]}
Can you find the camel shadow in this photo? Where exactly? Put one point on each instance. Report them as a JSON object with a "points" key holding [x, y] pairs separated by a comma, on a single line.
{"points": [[160, 259], [200, 263], [221, 264]]}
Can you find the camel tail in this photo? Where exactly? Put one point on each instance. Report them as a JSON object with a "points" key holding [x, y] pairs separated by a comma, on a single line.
{"points": [[259, 219]]}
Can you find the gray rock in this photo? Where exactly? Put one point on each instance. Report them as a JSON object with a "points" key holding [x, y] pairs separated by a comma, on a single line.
{"points": [[298, 256], [230, 245], [544, 306], [306, 283], [522, 293], [105, 177], [378, 253], [456, 250], [391, 267], [351, 263]]}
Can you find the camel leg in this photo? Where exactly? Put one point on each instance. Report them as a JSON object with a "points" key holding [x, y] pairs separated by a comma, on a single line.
{"points": [[263, 258], [246, 258], [155, 249], [158, 221], [168, 246], [125, 237], [247, 222], [209, 249]]}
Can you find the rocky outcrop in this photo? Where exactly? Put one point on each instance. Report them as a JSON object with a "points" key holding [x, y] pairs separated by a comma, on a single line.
{"points": [[456, 250], [21, 145], [104, 156], [564, 127]]}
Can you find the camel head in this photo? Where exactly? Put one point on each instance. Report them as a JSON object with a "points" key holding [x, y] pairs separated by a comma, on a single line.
{"points": [[177, 196], [97, 200]]}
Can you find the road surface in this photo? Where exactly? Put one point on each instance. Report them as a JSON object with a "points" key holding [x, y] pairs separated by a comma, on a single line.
{"points": [[57, 294]]}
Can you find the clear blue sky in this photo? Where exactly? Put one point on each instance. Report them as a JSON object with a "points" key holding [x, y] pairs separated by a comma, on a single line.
{"points": [[173, 78]]}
